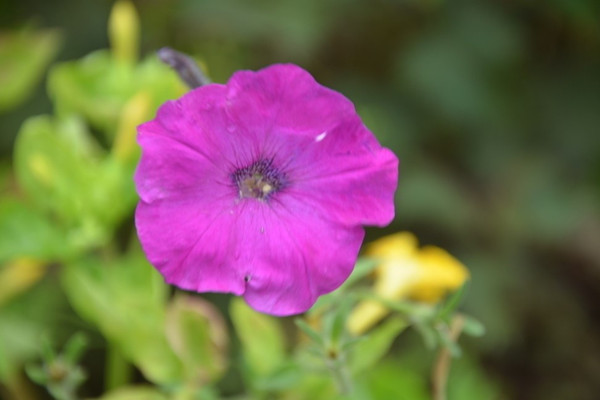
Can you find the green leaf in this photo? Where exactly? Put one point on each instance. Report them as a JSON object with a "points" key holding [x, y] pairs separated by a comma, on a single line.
{"points": [[95, 87], [452, 303], [427, 333], [286, 376], [261, 337], [473, 327], [309, 331], [197, 333], [336, 323], [313, 386], [62, 170], [134, 393], [75, 347], [24, 321], [51, 170], [37, 374], [47, 349], [366, 353], [98, 87], [468, 381], [27, 232], [125, 300], [23, 57], [390, 380]]}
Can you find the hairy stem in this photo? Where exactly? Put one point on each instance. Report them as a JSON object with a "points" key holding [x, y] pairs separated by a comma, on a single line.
{"points": [[341, 376]]}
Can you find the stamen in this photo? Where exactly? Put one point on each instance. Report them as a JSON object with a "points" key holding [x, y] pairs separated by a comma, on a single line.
{"points": [[259, 180]]}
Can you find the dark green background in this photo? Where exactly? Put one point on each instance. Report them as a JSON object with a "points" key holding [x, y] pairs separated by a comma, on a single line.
{"points": [[493, 108]]}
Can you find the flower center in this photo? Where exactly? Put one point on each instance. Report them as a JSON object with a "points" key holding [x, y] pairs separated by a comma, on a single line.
{"points": [[258, 180]]}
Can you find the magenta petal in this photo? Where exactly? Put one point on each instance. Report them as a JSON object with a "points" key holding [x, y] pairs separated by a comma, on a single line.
{"points": [[284, 98], [202, 129], [172, 170], [190, 245], [260, 188], [351, 175], [199, 121], [295, 256]]}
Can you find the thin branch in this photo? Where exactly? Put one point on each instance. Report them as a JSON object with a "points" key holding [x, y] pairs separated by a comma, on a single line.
{"points": [[441, 368]]}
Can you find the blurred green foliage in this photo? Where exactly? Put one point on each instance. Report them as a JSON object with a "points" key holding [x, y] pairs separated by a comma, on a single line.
{"points": [[137, 324], [99, 86], [492, 108], [24, 55]]}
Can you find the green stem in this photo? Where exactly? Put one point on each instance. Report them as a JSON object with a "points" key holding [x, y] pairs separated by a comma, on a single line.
{"points": [[341, 376], [118, 370]]}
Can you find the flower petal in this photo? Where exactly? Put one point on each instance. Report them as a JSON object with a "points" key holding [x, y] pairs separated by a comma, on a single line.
{"points": [[172, 170], [282, 251], [199, 120], [346, 172], [252, 248], [284, 98], [296, 256], [189, 242]]}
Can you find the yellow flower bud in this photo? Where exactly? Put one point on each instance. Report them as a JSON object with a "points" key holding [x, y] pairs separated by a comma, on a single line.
{"points": [[406, 272], [124, 31]]}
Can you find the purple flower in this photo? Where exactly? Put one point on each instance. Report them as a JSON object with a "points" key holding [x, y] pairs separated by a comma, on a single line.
{"points": [[260, 188]]}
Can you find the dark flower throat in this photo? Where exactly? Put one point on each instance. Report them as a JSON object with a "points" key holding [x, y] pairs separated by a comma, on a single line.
{"points": [[259, 180]]}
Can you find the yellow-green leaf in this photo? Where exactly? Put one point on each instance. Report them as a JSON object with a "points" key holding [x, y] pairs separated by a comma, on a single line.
{"points": [[197, 333], [134, 393], [126, 301], [23, 57], [261, 337]]}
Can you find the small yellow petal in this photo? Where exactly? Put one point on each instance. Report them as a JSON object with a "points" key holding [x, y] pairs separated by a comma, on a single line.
{"points": [[124, 31], [398, 269], [393, 246], [365, 315], [396, 277], [442, 273], [405, 271]]}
